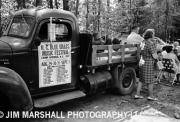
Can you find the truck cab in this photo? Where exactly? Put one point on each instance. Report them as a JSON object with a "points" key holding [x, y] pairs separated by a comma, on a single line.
{"points": [[45, 65], [44, 60]]}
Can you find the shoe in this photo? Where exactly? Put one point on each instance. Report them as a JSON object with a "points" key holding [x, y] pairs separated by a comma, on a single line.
{"points": [[152, 98], [138, 97], [177, 82], [177, 115]]}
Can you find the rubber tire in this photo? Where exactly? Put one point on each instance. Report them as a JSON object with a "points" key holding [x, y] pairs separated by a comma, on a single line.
{"points": [[119, 76]]}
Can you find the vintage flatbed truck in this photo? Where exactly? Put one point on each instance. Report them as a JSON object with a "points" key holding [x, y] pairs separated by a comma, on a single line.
{"points": [[44, 60]]}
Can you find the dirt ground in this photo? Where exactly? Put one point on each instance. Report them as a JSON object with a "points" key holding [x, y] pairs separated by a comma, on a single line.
{"points": [[168, 102]]}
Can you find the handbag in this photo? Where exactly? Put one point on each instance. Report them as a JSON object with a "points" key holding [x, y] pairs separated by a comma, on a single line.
{"points": [[159, 65], [141, 61]]}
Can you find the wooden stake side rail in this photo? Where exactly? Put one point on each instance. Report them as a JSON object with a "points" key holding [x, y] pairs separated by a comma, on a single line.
{"points": [[109, 54]]}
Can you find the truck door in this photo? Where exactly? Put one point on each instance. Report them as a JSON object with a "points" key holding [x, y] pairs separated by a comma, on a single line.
{"points": [[53, 53]]}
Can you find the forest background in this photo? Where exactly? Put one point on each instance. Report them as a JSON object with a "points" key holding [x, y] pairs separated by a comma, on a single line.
{"points": [[109, 17]]}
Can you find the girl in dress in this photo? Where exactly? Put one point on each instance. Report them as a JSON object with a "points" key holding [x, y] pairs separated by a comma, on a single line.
{"points": [[170, 55]]}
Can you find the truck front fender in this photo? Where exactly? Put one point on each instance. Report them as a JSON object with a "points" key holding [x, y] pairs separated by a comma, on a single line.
{"points": [[15, 89]]}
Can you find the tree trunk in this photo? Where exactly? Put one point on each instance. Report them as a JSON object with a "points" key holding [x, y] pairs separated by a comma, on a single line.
{"points": [[99, 13], [131, 20], [21, 4], [107, 18], [50, 3], [0, 20], [87, 19], [65, 5], [24, 4], [94, 14], [166, 20], [56, 4], [77, 6], [38, 3]]}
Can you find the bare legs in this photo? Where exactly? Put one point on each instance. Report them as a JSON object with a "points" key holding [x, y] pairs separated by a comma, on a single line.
{"points": [[150, 89], [139, 87]]}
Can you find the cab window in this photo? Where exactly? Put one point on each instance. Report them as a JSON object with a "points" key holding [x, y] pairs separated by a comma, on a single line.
{"points": [[55, 32], [21, 26]]}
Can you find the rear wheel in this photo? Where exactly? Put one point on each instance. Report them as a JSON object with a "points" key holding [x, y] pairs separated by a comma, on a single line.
{"points": [[125, 80]]}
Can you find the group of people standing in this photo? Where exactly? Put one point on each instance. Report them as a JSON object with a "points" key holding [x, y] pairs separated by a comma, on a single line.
{"points": [[149, 56]]}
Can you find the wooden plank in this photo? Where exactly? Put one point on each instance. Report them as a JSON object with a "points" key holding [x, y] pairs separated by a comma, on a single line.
{"points": [[131, 59], [94, 52], [100, 47], [102, 54], [116, 60], [123, 53], [110, 57], [116, 53], [117, 46], [130, 45], [101, 62], [130, 52], [109, 53]]}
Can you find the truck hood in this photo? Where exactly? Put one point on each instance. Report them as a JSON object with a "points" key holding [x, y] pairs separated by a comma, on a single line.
{"points": [[8, 43], [5, 48]]}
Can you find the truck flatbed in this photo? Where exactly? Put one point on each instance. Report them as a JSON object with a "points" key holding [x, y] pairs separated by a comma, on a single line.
{"points": [[111, 54]]}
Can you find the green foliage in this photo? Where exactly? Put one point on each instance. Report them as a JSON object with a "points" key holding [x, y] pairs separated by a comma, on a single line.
{"points": [[8, 7], [119, 16]]}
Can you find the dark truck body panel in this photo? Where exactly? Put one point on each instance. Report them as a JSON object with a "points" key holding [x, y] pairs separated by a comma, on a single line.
{"points": [[15, 89]]}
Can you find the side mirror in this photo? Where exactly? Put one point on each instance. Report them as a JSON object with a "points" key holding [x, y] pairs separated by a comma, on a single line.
{"points": [[37, 42]]}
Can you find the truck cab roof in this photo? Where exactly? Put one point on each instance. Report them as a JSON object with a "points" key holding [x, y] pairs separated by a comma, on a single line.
{"points": [[42, 13], [38, 14]]}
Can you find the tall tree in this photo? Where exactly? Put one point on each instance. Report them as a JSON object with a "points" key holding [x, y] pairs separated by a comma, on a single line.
{"points": [[99, 14], [65, 5], [166, 20], [0, 19], [94, 16], [163, 10], [77, 6], [107, 18], [21, 4], [38, 3], [56, 4], [87, 14], [50, 3]]}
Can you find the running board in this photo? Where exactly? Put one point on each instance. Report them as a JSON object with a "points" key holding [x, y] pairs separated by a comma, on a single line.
{"points": [[52, 100]]}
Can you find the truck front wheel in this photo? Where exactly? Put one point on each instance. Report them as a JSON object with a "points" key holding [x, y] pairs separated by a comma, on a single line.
{"points": [[125, 80], [4, 103]]}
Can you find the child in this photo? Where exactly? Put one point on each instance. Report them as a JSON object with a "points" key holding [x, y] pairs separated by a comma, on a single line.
{"points": [[160, 56], [159, 66], [170, 55]]}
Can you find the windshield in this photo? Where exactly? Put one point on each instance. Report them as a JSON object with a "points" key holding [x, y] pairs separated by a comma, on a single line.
{"points": [[21, 26]]}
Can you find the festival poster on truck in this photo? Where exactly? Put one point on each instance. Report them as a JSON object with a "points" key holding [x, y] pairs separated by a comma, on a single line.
{"points": [[54, 63]]}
